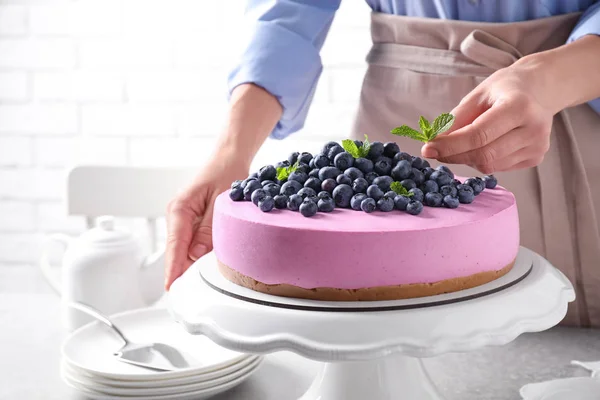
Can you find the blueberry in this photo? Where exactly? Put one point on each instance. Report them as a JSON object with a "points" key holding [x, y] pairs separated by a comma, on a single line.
{"points": [[343, 161], [466, 195], [343, 179], [358, 143], [408, 184], [235, 184], [324, 195], [418, 194], [445, 169], [298, 176], [254, 175], [328, 172], [280, 201], [356, 200], [427, 172], [390, 149], [321, 161], [251, 186], [306, 192], [391, 194], [385, 204], [265, 183], [292, 158], [246, 181], [414, 207], [290, 187], [334, 151], [325, 205], [400, 202], [417, 162], [375, 150], [354, 173], [272, 189], [456, 182], [451, 202], [370, 177], [430, 186], [294, 202], [448, 190], [342, 194], [476, 185], [314, 184], [441, 178], [402, 156], [417, 176], [360, 185], [266, 204], [258, 195], [383, 165], [368, 205], [402, 170], [311, 163], [308, 208], [303, 168], [383, 182], [364, 165], [374, 192], [481, 183], [267, 173], [490, 181], [282, 164], [314, 173], [433, 199], [236, 194], [305, 157], [328, 185], [328, 147], [426, 164]]}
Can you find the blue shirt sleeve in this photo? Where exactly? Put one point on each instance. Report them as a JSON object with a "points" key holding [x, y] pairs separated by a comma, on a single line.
{"points": [[282, 54], [589, 24]]}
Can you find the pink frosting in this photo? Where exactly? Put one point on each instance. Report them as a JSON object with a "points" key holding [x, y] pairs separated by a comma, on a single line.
{"points": [[351, 249]]}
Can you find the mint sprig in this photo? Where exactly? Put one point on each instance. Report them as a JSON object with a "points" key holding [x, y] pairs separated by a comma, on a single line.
{"points": [[428, 131], [354, 150], [284, 172], [401, 190]]}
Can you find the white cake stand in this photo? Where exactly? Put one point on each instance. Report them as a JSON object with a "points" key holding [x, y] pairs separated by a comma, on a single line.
{"points": [[372, 350]]}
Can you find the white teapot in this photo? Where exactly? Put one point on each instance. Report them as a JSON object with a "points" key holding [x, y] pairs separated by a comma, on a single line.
{"points": [[105, 267]]}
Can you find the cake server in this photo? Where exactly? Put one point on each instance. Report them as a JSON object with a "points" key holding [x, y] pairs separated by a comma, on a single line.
{"points": [[154, 356]]}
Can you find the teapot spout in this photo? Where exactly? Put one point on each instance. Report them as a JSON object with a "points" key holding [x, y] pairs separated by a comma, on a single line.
{"points": [[153, 277]]}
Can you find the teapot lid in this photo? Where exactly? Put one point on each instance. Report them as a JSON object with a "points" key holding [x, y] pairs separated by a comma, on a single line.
{"points": [[106, 232]]}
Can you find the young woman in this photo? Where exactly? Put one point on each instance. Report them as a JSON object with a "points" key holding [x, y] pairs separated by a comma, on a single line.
{"points": [[521, 77]]}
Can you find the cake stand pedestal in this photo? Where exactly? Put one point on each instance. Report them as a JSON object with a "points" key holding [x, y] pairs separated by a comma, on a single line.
{"points": [[372, 350]]}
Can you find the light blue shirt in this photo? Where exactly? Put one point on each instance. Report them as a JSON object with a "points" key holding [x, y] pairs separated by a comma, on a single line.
{"points": [[282, 51]]}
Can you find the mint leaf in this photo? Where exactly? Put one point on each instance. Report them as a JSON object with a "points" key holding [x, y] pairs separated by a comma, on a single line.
{"points": [[407, 131], [399, 189], [441, 124], [363, 151], [351, 147], [284, 172], [424, 125]]}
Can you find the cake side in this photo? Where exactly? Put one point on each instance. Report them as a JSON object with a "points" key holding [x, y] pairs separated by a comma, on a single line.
{"points": [[351, 250]]}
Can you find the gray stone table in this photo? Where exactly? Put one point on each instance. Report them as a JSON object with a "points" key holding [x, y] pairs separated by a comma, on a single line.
{"points": [[31, 334]]}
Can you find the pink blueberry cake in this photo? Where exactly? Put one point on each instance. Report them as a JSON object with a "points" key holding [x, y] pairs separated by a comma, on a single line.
{"points": [[348, 255]]}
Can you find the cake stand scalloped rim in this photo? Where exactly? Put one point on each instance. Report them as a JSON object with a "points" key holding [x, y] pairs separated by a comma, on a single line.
{"points": [[521, 320]]}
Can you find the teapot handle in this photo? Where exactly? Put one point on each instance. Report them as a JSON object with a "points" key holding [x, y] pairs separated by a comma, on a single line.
{"points": [[51, 272]]}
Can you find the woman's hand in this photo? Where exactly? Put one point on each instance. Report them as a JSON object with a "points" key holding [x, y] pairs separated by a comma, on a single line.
{"points": [[502, 125], [189, 215]]}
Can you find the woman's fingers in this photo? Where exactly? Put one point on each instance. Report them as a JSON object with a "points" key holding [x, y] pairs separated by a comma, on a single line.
{"points": [[180, 222], [489, 126], [202, 240]]}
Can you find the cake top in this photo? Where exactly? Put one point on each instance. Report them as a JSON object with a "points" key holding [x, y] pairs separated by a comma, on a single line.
{"points": [[488, 204]]}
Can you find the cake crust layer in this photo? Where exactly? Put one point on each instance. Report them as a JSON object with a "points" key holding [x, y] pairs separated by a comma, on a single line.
{"points": [[379, 293]]}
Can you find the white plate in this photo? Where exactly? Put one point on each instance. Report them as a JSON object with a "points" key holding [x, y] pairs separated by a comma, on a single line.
{"points": [[194, 395], [156, 391], [563, 389], [91, 347], [160, 383]]}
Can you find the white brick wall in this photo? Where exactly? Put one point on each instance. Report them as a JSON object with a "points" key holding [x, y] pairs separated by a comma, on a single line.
{"points": [[129, 82]]}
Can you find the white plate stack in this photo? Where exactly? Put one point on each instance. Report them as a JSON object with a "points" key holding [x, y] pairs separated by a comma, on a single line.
{"points": [[88, 364]]}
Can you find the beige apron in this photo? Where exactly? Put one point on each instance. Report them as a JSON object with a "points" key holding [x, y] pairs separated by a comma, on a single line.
{"points": [[420, 66]]}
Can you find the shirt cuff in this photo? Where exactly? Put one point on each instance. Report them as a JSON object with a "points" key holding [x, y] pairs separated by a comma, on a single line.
{"points": [[286, 65]]}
